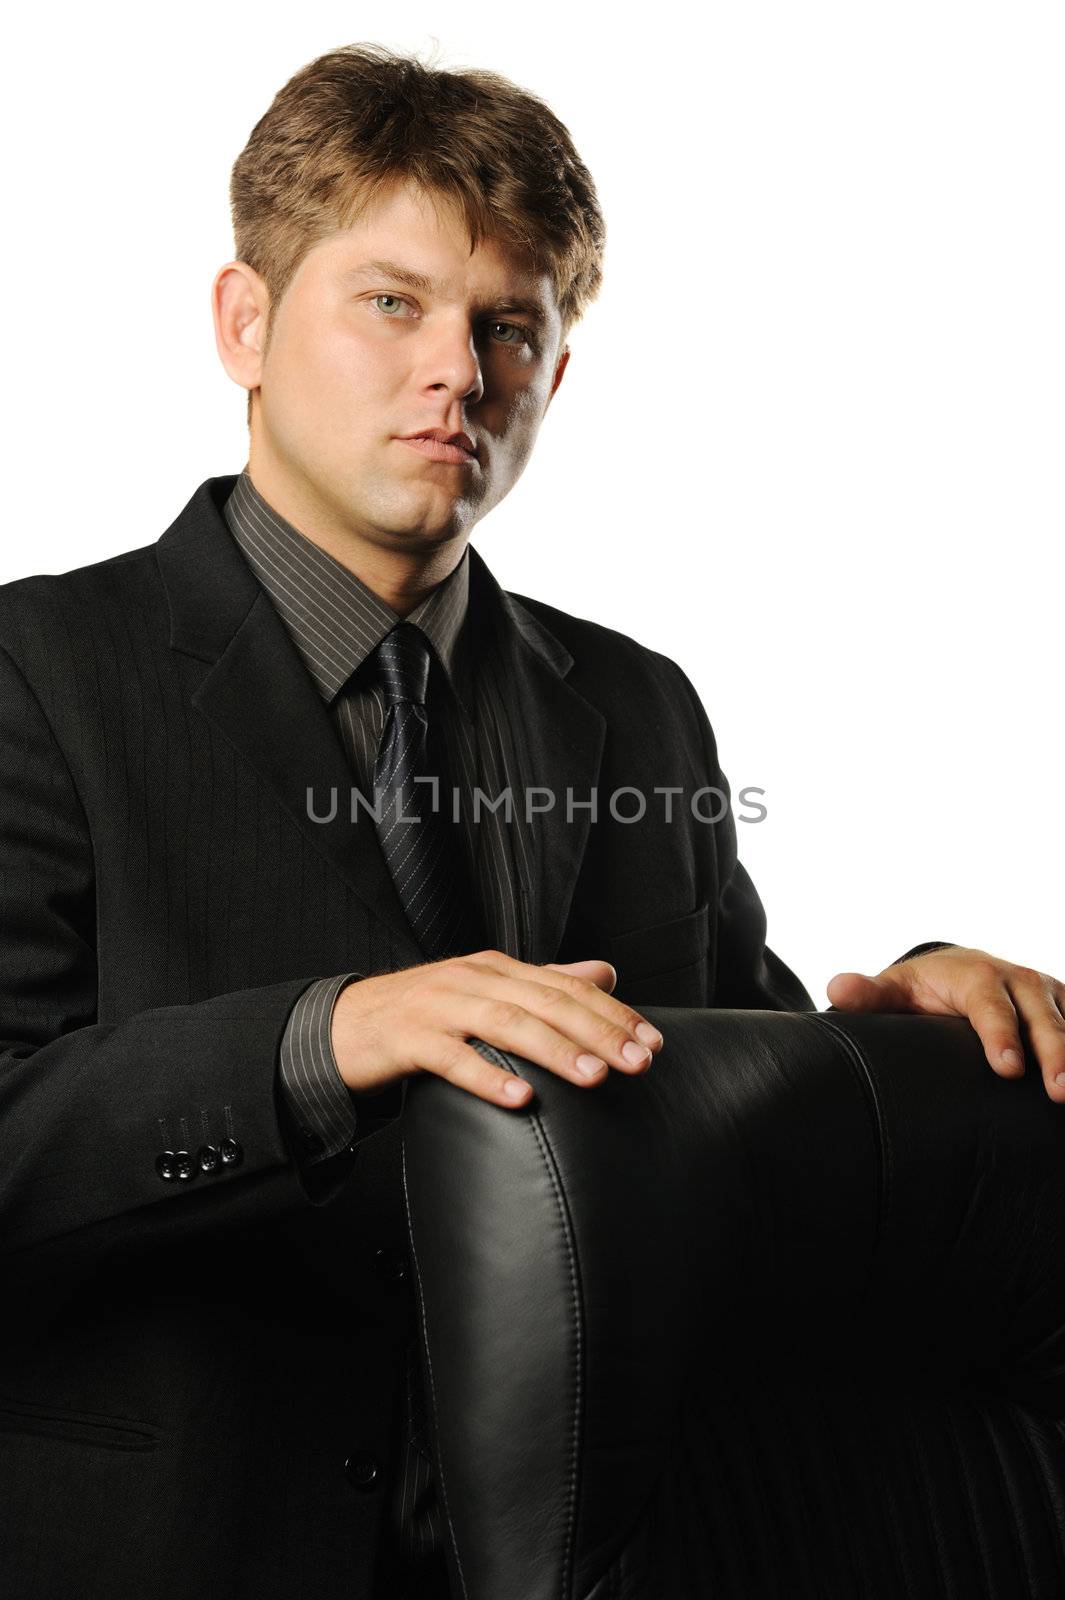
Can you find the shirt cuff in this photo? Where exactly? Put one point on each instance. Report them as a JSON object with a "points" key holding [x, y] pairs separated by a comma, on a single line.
{"points": [[318, 1099]]}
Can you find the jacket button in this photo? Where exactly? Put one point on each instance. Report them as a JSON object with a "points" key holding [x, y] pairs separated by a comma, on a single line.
{"points": [[231, 1152], [166, 1165], [209, 1157], [391, 1265], [362, 1470], [184, 1166]]}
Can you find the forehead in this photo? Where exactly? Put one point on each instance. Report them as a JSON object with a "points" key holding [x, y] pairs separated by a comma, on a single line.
{"points": [[422, 242]]}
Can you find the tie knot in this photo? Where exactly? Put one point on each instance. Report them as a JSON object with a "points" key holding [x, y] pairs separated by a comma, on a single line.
{"points": [[403, 664]]}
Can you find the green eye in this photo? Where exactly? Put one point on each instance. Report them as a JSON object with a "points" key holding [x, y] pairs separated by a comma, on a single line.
{"points": [[521, 335]]}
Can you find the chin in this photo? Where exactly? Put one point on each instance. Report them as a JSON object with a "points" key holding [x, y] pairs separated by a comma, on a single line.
{"points": [[415, 531], [422, 526]]}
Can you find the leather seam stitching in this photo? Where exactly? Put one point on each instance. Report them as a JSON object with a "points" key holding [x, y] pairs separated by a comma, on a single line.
{"points": [[858, 1060], [550, 1166]]}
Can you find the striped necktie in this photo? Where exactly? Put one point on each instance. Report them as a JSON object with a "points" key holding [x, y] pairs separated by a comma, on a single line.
{"points": [[424, 851], [422, 843]]}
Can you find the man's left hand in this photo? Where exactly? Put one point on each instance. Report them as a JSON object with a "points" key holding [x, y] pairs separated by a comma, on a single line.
{"points": [[998, 998]]}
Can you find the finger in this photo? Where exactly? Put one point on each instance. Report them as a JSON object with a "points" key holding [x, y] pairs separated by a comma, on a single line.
{"points": [[459, 1063], [1035, 1001], [585, 990], [556, 975], [855, 991], [577, 1012], [601, 973], [508, 1025], [991, 1012]]}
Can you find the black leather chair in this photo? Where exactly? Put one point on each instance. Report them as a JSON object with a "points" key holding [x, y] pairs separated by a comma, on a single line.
{"points": [[784, 1316]]}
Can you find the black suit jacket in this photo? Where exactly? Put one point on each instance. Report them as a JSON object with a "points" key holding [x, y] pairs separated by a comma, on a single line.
{"points": [[199, 1376]]}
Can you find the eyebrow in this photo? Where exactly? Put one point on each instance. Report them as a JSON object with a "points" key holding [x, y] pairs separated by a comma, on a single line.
{"points": [[534, 308]]}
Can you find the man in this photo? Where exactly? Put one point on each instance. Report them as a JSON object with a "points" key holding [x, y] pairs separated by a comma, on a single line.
{"points": [[217, 975]]}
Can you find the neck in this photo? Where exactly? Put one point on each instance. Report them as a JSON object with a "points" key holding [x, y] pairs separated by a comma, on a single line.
{"points": [[401, 578]]}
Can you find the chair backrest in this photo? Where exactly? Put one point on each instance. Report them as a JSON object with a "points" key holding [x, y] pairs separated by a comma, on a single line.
{"points": [[783, 1315]]}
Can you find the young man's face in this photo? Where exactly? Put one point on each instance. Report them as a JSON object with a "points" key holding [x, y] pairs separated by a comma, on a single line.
{"points": [[358, 357]]}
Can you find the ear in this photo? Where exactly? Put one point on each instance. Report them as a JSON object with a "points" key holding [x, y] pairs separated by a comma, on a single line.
{"points": [[563, 362], [240, 302]]}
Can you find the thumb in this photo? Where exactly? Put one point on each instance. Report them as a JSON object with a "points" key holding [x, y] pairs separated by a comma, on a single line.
{"points": [[601, 973], [854, 991]]}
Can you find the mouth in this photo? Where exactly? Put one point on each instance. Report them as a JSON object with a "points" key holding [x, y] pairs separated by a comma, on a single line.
{"points": [[437, 450]]}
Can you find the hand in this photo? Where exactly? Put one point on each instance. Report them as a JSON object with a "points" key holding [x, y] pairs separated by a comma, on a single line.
{"points": [[420, 1020], [995, 995]]}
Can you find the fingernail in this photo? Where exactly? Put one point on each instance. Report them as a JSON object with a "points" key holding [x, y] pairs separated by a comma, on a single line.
{"points": [[648, 1035], [514, 1088], [635, 1054], [1060, 1080], [590, 1065], [1010, 1058]]}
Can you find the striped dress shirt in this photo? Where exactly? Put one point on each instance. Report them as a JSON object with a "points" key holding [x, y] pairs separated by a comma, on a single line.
{"points": [[336, 622]]}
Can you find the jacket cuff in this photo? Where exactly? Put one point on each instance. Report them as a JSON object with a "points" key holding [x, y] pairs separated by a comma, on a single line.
{"points": [[923, 949]]}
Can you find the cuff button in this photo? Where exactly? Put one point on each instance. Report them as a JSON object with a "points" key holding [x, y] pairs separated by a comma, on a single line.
{"points": [[391, 1265], [231, 1152], [363, 1470], [209, 1157]]}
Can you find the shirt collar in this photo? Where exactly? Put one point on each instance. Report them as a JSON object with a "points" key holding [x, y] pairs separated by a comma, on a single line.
{"points": [[335, 619]]}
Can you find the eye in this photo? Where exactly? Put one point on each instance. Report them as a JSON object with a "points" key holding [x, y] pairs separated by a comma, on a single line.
{"points": [[524, 338], [520, 334]]}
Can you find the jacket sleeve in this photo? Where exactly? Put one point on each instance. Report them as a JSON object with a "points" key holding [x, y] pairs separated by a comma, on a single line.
{"points": [[163, 1123], [923, 949]]}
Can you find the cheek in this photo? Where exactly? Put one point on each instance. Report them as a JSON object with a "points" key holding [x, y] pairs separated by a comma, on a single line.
{"points": [[521, 422], [335, 402], [337, 374]]}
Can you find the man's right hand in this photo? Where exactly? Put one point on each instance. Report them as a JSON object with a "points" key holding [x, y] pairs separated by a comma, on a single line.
{"points": [[561, 1016]]}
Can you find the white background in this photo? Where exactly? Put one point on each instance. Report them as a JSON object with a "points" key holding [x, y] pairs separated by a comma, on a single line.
{"points": [[809, 443]]}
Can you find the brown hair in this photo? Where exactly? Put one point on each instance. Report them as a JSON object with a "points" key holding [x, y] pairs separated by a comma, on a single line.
{"points": [[351, 123]]}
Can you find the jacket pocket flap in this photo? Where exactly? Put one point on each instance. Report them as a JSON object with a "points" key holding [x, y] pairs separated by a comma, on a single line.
{"points": [[80, 1427], [661, 946]]}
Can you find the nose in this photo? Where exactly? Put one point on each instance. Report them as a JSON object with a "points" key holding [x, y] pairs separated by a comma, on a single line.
{"points": [[454, 365]]}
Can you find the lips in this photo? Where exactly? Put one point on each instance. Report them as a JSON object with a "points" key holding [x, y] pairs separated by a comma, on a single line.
{"points": [[439, 450]]}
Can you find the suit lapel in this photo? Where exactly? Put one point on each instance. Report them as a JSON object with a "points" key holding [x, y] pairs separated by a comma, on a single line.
{"points": [[559, 738], [259, 695]]}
